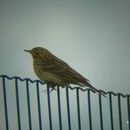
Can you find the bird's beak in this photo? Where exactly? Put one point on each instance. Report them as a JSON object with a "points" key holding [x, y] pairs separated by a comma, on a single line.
{"points": [[28, 51]]}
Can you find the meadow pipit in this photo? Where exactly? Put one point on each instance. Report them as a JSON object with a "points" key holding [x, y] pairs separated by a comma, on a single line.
{"points": [[55, 71]]}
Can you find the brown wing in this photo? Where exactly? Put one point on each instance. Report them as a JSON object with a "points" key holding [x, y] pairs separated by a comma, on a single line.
{"points": [[63, 70]]}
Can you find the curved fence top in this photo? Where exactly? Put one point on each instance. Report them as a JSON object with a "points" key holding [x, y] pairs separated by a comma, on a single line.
{"points": [[72, 88]]}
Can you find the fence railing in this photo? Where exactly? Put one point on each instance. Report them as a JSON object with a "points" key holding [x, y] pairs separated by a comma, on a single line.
{"points": [[68, 108]]}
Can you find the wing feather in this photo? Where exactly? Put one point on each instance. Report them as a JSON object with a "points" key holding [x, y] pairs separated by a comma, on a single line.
{"points": [[64, 71]]}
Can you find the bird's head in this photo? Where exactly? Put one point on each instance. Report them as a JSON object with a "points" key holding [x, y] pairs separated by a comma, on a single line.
{"points": [[37, 52]]}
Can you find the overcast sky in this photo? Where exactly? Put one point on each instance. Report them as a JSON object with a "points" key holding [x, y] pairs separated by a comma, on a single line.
{"points": [[91, 36]]}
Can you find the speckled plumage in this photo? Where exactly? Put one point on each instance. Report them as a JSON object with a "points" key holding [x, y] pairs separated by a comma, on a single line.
{"points": [[55, 71]]}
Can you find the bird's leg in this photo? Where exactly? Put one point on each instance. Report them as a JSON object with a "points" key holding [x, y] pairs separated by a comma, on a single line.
{"points": [[52, 85]]}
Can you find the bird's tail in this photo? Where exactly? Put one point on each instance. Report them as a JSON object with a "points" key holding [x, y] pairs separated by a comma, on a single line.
{"points": [[93, 88]]}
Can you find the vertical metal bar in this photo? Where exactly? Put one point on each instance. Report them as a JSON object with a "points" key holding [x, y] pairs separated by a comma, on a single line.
{"points": [[49, 107], [5, 103], [29, 107], [89, 110], [68, 108], [17, 102], [119, 110], [39, 106], [128, 109], [59, 107], [100, 111], [111, 112], [78, 108]]}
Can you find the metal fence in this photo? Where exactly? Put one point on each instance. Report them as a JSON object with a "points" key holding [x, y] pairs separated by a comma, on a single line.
{"points": [[66, 109]]}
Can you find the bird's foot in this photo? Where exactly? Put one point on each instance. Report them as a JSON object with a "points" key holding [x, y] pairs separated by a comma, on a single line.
{"points": [[53, 89]]}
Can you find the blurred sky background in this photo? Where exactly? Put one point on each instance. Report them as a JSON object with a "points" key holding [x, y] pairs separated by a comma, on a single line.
{"points": [[93, 37]]}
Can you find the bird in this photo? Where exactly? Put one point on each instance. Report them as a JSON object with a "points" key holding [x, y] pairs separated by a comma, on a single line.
{"points": [[54, 71]]}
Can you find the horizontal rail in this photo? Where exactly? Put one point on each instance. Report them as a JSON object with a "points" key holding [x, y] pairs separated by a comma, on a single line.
{"points": [[72, 88], [77, 109]]}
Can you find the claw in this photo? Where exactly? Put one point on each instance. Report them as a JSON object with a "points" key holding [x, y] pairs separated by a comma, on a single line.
{"points": [[53, 89]]}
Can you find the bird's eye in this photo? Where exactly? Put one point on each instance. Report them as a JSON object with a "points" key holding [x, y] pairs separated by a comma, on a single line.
{"points": [[37, 50]]}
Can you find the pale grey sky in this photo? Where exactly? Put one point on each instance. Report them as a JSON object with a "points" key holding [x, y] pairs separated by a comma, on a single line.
{"points": [[91, 36]]}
